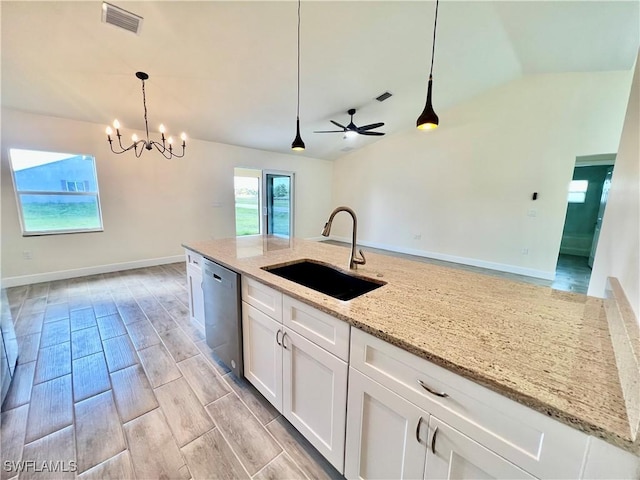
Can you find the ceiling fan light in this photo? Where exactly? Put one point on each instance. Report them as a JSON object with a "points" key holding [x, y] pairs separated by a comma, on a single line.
{"points": [[428, 120], [298, 144], [350, 134]]}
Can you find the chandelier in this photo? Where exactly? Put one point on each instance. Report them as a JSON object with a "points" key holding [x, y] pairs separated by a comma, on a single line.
{"points": [[165, 147]]}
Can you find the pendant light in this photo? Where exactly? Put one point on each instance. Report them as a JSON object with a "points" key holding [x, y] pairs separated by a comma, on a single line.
{"points": [[298, 144], [428, 119]]}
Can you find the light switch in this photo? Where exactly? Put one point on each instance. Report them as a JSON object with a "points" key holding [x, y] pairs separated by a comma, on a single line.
{"points": [[532, 212]]}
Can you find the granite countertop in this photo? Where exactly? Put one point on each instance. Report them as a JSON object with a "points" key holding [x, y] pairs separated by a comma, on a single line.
{"points": [[547, 349]]}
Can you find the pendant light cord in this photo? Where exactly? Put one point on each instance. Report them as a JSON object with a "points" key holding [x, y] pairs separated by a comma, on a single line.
{"points": [[433, 45], [298, 106]]}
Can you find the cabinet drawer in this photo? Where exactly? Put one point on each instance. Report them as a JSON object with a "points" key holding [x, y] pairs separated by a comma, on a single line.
{"points": [[538, 444], [453, 455], [321, 328], [264, 298], [193, 259]]}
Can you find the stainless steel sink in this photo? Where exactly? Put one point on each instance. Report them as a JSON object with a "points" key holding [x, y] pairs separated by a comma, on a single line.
{"points": [[325, 279]]}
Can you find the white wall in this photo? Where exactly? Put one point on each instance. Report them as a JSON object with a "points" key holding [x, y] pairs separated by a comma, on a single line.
{"points": [[465, 189], [619, 245], [150, 205]]}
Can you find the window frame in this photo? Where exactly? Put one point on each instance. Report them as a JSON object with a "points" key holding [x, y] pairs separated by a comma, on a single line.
{"points": [[574, 193], [292, 190], [37, 233]]}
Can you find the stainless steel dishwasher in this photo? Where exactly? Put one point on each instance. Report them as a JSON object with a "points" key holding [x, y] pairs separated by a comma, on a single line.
{"points": [[223, 325]]}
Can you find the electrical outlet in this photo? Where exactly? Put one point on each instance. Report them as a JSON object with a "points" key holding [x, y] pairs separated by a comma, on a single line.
{"points": [[525, 251], [417, 236], [532, 212], [26, 255]]}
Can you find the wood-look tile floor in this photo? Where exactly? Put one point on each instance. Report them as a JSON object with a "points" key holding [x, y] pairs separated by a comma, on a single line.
{"points": [[114, 379]]}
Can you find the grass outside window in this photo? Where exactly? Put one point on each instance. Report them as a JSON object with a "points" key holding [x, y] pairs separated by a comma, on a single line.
{"points": [[55, 192]]}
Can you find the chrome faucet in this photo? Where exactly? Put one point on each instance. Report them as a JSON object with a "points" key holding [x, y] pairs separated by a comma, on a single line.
{"points": [[353, 261]]}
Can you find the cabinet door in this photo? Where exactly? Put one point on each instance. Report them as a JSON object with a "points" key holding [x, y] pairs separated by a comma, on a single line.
{"points": [[196, 298], [458, 457], [315, 395], [262, 353], [385, 433]]}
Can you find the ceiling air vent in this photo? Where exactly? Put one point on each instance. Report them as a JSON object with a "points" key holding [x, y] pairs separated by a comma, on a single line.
{"points": [[346, 149], [383, 97], [121, 18]]}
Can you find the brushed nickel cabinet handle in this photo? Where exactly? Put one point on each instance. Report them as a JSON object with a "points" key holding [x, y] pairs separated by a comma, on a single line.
{"points": [[277, 335], [418, 430], [433, 441], [432, 391]]}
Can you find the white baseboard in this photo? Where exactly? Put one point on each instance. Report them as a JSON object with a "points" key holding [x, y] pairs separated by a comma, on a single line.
{"points": [[83, 272], [529, 272]]}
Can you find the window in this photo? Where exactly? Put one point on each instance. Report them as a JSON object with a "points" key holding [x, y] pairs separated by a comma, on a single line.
{"points": [[55, 192], [82, 186], [578, 191], [247, 194]]}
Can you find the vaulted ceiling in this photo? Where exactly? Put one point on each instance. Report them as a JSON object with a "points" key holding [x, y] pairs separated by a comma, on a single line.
{"points": [[226, 71]]}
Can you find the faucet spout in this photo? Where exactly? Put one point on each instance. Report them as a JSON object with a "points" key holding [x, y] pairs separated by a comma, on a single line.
{"points": [[354, 261]]}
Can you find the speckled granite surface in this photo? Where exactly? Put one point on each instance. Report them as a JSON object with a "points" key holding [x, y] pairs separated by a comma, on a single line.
{"points": [[547, 349], [625, 337]]}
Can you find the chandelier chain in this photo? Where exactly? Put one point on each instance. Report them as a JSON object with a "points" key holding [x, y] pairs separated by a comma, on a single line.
{"points": [[144, 104]]}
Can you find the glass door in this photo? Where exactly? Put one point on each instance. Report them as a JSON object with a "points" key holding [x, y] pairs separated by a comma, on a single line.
{"points": [[278, 203]]}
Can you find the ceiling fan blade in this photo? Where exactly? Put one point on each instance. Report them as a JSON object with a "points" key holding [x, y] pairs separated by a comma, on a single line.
{"points": [[371, 126], [377, 134], [329, 131], [338, 125]]}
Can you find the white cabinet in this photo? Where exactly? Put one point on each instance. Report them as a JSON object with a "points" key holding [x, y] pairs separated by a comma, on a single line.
{"points": [[452, 455], [604, 461], [262, 353], [305, 382], [481, 434], [385, 433], [264, 298], [405, 417], [194, 285], [390, 437], [314, 389]]}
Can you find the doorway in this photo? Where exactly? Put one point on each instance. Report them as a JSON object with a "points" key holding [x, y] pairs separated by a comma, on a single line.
{"points": [[278, 203], [264, 202], [586, 201]]}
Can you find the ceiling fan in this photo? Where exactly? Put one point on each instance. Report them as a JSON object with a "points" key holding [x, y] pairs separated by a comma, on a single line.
{"points": [[352, 129]]}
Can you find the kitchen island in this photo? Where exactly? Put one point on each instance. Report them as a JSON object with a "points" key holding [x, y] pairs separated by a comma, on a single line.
{"points": [[546, 349]]}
